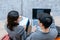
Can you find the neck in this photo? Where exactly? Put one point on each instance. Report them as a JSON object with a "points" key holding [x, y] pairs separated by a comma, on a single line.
{"points": [[44, 30]]}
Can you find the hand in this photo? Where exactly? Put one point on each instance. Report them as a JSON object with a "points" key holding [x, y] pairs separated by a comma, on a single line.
{"points": [[24, 27], [34, 28]]}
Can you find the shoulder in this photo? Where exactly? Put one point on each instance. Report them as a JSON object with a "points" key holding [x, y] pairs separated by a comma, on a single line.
{"points": [[18, 28], [34, 34]]}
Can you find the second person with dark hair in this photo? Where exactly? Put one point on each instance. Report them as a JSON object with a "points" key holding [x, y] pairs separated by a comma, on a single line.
{"points": [[15, 31], [45, 31]]}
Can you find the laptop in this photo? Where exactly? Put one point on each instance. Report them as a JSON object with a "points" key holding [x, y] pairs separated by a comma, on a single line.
{"points": [[36, 13]]}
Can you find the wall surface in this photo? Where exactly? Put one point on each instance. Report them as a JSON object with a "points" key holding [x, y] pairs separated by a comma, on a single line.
{"points": [[25, 7], [8, 5]]}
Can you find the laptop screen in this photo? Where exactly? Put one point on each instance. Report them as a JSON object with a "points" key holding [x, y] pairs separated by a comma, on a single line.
{"points": [[36, 12]]}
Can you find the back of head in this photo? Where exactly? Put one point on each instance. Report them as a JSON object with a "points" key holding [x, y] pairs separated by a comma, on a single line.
{"points": [[11, 17], [45, 19]]}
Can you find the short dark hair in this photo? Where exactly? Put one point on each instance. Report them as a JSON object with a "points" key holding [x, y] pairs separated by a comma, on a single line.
{"points": [[45, 19], [11, 17]]}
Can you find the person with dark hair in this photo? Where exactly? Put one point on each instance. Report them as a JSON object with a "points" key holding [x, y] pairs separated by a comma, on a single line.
{"points": [[15, 31], [45, 31]]}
